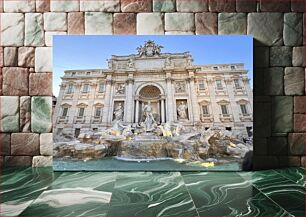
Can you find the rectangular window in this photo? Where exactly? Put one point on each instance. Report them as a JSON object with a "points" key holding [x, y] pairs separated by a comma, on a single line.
{"points": [[85, 88], [243, 109], [101, 88], [65, 112], [237, 84], [218, 84], [205, 109], [201, 85], [81, 112], [224, 109], [98, 112], [233, 67], [70, 88], [215, 67]]}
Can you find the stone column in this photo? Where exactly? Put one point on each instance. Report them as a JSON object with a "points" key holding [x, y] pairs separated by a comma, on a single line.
{"points": [[231, 95], [162, 110], [212, 95], [246, 82], [57, 109], [72, 112], [170, 112], [107, 98], [128, 116], [91, 100], [195, 105], [137, 111]]}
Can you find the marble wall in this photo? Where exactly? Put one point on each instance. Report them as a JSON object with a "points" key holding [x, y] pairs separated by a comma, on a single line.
{"points": [[26, 63]]}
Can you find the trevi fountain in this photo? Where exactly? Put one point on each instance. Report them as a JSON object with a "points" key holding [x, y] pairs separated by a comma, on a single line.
{"points": [[186, 147]]}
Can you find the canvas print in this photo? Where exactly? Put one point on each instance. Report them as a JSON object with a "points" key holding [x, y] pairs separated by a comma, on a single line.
{"points": [[152, 102]]}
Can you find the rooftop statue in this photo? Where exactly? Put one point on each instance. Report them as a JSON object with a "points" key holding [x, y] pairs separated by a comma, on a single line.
{"points": [[149, 49]]}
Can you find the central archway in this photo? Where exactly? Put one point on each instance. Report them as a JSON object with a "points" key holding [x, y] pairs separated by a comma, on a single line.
{"points": [[153, 94]]}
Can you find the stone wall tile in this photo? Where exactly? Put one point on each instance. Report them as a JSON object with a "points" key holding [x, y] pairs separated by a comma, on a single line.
{"points": [[15, 81], [25, 144], [179, 33], [76, 23], [46, 144], [41, 109], [25, 114], [232, 23], [280, 56], [267, 28], [282, 117], [40, 84], [262, 120], [49, 37], [42, 161], [259, 80], [55, 21], [297, 5], [98, 23], [278, 145], [298, 56], [10, 56], [191, 5], [260, 146], [299, 104], [26, 56], [265, 162], [9, 114], [18, 161], [206, 23], [1, 56], [156, 24], [1, 80], [293, 29], [289, 161], [34, 29], [100, 5], [246, 5], [5, 144], [64, 6], [124, 23], [164, 5], [222, 5], [179, 22], [272, 6], [261, 56], [136, 5], [42, 5], [296, 143], [19, 6], [294, 81], [274, 81], [43, 59], [299, 123], [12, 24]]}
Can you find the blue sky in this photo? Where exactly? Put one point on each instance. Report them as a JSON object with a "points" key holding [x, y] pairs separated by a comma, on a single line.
{"points": [[90, 52]]}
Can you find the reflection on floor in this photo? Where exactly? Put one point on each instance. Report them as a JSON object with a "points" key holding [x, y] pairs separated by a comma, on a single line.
{"points": [[42, 192]]}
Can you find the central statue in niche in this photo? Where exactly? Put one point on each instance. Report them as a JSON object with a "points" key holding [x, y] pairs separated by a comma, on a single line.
{"points": [[149, 123]]}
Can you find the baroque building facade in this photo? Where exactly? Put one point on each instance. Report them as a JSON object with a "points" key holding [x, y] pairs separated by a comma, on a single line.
{"points": [[177, 91]]}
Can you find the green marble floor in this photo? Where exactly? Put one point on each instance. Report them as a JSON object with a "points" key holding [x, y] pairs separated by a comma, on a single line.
{"points": [[42, 192]]}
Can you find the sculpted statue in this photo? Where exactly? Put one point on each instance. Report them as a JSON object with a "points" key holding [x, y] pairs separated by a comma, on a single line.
{"points": [[131, 64], [149, 49], [167, 62], [179, 87], [120, 89], [110, 64], [149, 122], [118, 112], [182, 111]]}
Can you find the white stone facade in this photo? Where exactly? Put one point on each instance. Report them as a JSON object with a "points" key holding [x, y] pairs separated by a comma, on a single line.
{"points": [[213, 95]]}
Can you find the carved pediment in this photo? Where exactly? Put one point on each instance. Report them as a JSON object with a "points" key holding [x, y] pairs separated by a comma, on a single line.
{"points": [[223, 101], [242, 101], [82, 104], [66, 105]]}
